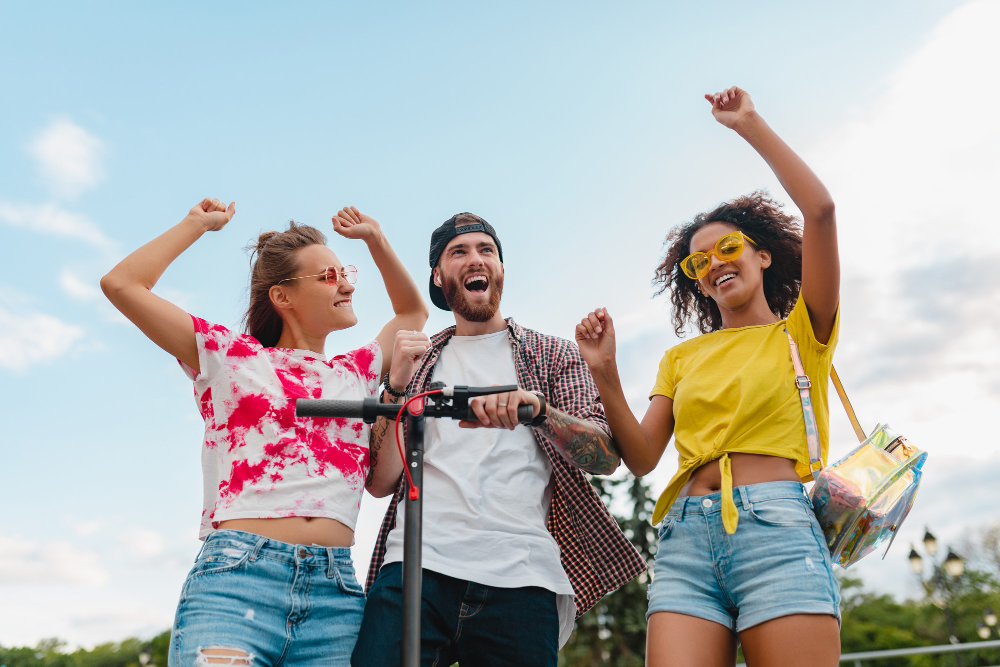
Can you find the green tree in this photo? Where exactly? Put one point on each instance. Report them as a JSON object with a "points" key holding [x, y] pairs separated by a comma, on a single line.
{"points": [[872, 622], [52, 653]]}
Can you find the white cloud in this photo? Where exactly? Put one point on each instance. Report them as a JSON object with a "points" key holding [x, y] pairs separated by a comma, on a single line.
{"points": [[129, 607], [78, 283], [29, 338], [911, 175], [88, 528], [78, 288], [53, 220], [12, 296], [69, 157], [183, 300], [55, 562], [144, 543]]}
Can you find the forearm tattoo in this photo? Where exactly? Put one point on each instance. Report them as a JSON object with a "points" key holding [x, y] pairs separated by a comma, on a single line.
{"points": [[582, 442], [376, 439]]}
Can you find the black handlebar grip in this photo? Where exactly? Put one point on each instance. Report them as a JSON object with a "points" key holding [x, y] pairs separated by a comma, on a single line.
{"points": [[318, 407], [525, 414]]}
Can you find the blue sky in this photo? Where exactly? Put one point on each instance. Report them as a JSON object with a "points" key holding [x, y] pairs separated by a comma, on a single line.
{"points": [[577, 129]]}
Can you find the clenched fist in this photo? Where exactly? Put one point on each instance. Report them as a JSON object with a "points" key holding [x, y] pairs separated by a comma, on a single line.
{"points": [[595, 336], [211, 214], [353, 224], [730, 105], [407, 350]]}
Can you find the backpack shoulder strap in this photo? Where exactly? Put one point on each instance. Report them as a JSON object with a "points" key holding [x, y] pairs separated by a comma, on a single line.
{"points": [[860, 432], [809, 415]]}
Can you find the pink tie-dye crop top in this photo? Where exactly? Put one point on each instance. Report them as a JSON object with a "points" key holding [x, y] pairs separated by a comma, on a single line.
{"points": [[260, 461]]}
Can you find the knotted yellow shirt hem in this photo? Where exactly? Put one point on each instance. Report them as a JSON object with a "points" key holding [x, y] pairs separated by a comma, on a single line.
{"points": [[730, 516]]}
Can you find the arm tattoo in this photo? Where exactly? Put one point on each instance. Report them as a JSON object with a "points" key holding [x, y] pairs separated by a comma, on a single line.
{"points": [[375, 440], [581, 442]]}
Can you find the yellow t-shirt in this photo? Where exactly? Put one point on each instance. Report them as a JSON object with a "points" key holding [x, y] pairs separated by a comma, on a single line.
{"points": [[734, 391]]}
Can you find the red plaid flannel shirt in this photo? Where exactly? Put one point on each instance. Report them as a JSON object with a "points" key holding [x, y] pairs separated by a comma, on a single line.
{"points": [[595, 554]]}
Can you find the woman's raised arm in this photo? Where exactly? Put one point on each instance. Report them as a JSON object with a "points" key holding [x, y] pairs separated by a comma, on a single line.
{"points": [[640, 444], [407, 304], [820, 258], [129, 285]]}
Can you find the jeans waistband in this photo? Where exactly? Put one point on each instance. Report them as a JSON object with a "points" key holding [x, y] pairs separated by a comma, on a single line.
{"points": [[743, 496], [258, 546]]}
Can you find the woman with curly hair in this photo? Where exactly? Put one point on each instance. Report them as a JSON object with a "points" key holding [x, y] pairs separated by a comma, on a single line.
{"points": [[740, 557], [274, 582]]}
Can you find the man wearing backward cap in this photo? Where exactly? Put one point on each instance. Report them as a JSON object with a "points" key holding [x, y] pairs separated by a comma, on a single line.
{"points": [[515, 538]]}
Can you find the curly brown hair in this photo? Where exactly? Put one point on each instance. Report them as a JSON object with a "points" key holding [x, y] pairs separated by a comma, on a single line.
{"points": [[273, 257], [764, 221]]}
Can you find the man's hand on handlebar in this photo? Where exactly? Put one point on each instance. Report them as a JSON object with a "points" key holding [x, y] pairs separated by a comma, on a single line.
{"points": [[500, 410]]}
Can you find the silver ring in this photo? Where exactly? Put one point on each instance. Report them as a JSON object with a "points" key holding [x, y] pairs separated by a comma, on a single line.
{"points": [[503, 405]]}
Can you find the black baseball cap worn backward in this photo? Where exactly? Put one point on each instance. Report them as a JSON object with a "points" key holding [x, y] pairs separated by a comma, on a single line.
{"points": [[460, 223]]}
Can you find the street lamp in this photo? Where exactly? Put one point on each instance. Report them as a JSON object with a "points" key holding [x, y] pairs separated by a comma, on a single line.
{"points": [[940, 581], [916, 562], [954, 565], [930, 543], [986, 626]]}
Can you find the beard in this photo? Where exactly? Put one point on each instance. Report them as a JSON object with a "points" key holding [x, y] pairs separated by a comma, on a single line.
{"points": [[454, 294]]}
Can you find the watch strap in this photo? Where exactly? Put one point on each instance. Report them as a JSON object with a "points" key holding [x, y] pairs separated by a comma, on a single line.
{"points": [[543, 410]]}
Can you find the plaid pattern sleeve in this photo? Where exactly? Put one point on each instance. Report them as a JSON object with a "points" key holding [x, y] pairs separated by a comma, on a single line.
{"points": [[596, 555]]}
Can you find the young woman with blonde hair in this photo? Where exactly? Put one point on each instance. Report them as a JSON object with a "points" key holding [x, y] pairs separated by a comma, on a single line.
{"points": [[274, 582]]}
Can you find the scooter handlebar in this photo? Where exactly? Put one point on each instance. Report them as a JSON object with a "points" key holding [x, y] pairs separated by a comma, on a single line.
{"points": [[369, 409]]}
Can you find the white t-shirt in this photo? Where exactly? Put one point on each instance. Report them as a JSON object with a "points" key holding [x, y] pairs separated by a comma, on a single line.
{"points": [[486, 490], [260, 461]]}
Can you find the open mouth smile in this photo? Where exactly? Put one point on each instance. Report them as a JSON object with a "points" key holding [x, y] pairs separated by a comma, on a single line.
{"points": [[346, 303], [477, 283], [724, 278]]}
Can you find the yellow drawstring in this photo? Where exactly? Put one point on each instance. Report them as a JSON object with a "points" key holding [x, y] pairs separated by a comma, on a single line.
{"points": [[730, 516]]}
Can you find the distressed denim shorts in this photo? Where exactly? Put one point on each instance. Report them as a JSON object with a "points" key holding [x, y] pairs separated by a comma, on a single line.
{"points": [[278, 603], [775, 564]]}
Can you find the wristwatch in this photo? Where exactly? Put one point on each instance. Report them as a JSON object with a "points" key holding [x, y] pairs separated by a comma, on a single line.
{"points": [[388, 387], [543, 410]]}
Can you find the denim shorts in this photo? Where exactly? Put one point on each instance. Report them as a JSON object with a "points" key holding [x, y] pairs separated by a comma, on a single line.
{"points": [[279, 603], [775, 564]]}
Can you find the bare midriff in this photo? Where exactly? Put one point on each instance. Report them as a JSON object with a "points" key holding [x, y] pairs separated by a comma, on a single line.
{"points": [[296, 530], [747, 469]]}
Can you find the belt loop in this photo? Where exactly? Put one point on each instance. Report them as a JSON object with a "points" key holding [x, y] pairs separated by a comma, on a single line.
{"points": [[745, 498], [257, 547], [204, 543], [684, 504], [331, 563]]}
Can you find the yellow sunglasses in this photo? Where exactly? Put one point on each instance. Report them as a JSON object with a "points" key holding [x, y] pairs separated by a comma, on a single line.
{"points": [[728, 248]]}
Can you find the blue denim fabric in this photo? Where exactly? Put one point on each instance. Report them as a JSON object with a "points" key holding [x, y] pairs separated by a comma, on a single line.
{"points": [[775, 564], [280, 603], [461, 621]]}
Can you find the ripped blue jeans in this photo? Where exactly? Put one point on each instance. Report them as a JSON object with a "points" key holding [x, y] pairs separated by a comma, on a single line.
{"points": [[251, 600]]}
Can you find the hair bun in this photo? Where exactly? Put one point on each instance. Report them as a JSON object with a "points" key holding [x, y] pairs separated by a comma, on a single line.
{"points": [[264, 238]]}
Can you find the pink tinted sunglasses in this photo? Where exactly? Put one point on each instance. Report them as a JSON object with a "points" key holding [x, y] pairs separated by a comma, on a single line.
{"points": [[331, 275]]}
